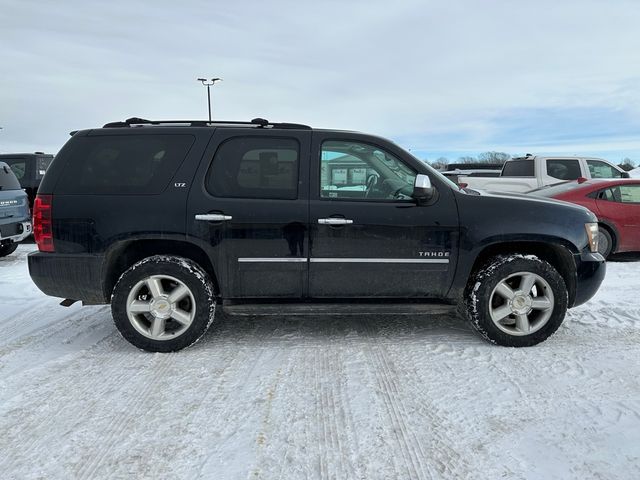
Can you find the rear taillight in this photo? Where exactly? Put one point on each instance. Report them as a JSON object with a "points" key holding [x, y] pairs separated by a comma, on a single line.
{"points": [[42, 231]]}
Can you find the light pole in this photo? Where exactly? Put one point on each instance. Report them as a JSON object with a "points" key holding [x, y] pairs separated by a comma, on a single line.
{"points": [[208, 85]]}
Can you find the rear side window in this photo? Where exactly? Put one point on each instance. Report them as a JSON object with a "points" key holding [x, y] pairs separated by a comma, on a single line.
{"points": [[123, 164], [8, 180], [563, 169], [255, 167], [518, 168]]}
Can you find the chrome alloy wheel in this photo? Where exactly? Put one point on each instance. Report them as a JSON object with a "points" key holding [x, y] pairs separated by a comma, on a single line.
{"points": [[521, 303], [161, 307]]}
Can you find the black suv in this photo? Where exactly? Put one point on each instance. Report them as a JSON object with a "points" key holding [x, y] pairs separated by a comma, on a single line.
{"points": [[166, 220], [29, 168]]}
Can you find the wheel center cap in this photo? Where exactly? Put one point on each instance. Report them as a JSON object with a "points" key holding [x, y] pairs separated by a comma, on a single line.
{"points": [[521, 304], [161, 308]]}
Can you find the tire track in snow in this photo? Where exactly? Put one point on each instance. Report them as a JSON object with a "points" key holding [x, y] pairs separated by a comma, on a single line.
{"points": [[331, 417], [407, 441], [73, 368], [29, 319], [304, 380], [212, 406], [56, 338], [447, 461], [134, 407], [231, 410]]}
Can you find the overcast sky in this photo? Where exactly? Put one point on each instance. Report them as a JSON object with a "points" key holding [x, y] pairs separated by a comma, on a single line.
{"points": [[438, 77]]}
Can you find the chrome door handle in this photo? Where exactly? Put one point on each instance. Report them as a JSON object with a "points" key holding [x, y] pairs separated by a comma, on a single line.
{"points": [[213, 217], [334, 221]]}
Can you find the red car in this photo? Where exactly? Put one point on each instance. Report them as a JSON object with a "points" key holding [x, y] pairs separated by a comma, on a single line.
{"points": [[615, 202]]}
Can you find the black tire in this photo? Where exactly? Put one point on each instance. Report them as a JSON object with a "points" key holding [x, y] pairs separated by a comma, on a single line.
{"points": [[172, 272], [8, 249], [483, 297], [605, 242]]}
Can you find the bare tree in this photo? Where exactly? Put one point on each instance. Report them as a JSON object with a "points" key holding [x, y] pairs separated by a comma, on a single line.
{"points": [[467, 159], [627, 164], [440, 164], [494, 157]]}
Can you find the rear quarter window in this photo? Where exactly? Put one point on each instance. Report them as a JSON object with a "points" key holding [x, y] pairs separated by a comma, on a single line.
{"points": [[8, 180], [123, 164]]}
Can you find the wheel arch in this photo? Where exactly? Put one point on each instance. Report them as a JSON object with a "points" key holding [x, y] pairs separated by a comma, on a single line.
{"points": [[123, 255], [558, 256]]}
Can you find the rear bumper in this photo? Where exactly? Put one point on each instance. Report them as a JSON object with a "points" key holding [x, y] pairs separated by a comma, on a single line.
{"points": [[74, 276], [18, 231], [590, 272]]}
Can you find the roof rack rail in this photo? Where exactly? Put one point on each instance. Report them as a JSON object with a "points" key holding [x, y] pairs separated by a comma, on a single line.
{"points": [[256, 123]]}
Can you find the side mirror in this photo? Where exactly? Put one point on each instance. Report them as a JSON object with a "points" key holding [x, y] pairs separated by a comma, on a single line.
{"points": [[423, 191], [626, 175]]}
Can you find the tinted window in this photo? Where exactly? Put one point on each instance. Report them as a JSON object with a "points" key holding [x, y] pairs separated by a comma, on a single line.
{"points": [[8, 180], [352, 170], [518, 168], [42, 163], [122, 164], [563, 169], [600, 169], [255, 167]]}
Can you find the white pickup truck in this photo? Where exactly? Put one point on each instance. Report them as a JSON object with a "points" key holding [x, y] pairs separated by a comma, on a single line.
{"points": [[526, 173]]}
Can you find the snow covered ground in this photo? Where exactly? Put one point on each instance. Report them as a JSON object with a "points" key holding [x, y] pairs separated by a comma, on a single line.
{"points": [[318, 398]]}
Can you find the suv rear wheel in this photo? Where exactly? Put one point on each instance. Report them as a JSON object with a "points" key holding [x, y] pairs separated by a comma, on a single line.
{"points": [[163, 303], [516, 300]]}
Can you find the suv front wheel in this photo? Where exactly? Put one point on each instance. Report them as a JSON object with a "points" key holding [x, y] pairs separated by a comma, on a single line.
{"points": [[516, 300], [163, 303]]}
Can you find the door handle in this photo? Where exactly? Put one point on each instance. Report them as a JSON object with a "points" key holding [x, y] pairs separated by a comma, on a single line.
{"points": [[213, 217], [334, 221]]}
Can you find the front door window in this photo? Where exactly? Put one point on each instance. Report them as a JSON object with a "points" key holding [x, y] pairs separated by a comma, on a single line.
{"points": [[359, 171]]}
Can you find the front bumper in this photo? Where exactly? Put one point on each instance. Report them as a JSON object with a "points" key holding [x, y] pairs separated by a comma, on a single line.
{"points": [[590, 272], [19, 231]]}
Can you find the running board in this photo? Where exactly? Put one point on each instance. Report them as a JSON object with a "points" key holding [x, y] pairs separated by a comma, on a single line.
{"points": [[341, 309]]}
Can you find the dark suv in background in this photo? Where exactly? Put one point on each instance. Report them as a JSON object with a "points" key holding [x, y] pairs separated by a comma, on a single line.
{"points": [[29, 169], [166, 220], [15, 221]]}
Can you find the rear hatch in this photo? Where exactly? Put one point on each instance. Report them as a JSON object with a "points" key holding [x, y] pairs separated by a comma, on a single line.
{"points": [[14, 207]]}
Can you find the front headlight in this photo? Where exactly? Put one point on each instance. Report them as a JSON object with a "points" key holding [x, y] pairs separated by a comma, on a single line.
{"points": [[592, 235]]}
